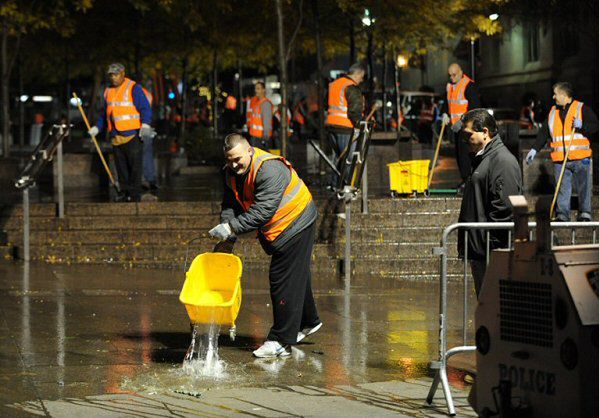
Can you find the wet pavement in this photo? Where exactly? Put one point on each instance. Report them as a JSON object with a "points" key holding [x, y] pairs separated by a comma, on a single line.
{"points": [[106, 341]]}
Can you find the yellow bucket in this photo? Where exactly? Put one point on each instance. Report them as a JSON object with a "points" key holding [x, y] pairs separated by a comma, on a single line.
{"points": [[212, 289], [407, 177]]}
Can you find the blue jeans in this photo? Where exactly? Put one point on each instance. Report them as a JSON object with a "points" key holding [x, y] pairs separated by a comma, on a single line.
{"points": [[149, 170], [579, 172], [339, 142]]}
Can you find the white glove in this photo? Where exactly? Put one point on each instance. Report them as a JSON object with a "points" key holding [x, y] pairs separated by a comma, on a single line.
{"points": [[530, 156], [445, 119], [457, 127], [221, 231], [93, 131], [145, 131]]}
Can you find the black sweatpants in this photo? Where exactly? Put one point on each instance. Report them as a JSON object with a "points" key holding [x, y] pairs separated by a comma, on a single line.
{"points": [[291, 288], [128, 159]]}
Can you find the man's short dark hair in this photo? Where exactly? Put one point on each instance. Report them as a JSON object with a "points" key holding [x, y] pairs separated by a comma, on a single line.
{"points": [[356, 68], [261, 83], [232, 140], [480, 118], [565, 88]]}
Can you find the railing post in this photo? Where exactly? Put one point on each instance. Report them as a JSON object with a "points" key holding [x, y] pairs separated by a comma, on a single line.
{"points": [[26, 224], [60, 179]]}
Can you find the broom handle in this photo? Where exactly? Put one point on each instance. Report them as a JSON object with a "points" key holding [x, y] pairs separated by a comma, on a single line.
{"points": [[94, 140], [561, 175], [430, 176]]}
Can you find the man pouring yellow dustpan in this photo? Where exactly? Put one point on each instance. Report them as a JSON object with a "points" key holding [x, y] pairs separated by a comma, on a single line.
{"points": [[264, 193]]}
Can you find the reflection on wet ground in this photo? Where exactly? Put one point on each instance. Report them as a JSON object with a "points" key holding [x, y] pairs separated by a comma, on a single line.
{"points": [[75, 336]]}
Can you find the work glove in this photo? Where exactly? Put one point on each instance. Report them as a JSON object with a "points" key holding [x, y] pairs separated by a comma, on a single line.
{"points": [[221, 231], [530, 156], [145, 131], [456, 127], [445, 119], [93, 131], [577, 124]]}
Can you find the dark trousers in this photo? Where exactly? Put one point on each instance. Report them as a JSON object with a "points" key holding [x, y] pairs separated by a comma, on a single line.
{"points": [[128, 159], [478, 268], [462, 156], [339, 143], [291, 288]]}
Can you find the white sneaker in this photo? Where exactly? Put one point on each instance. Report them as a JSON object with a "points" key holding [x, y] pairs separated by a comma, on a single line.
{"points": [[307, 331], [272, 349]]}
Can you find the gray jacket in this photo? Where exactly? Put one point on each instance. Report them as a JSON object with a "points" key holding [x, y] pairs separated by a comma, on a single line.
{"points": [[272, 179]]}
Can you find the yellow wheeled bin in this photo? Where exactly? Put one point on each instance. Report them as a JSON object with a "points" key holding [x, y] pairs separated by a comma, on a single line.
{"points": [[408, 177], [212, 290]]}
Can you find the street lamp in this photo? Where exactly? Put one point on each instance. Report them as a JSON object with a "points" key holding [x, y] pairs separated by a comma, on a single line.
{"points": [[402, 61], [367, 20], [493, 17]]}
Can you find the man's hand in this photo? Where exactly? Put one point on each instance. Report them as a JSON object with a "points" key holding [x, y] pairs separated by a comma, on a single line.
{"points": [[221, 231], [445, 119], [577, 123], [145, 131], [530, 156], [93, 131], [457, 127]]}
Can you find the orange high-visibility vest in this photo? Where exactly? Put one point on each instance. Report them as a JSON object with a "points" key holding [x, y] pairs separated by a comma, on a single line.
{"points": [[561, 135], [231, 102], [298, 114], [337, 112], [295, 199], [254, 117], [120, 110], [456, 98]]}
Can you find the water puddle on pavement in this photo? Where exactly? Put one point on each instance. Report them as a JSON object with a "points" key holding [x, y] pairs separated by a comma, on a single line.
{"points": [[202, 369], [202, 358]]}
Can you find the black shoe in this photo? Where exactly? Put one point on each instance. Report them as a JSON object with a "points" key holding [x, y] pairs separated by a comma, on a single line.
{"points": [[584, 217]]}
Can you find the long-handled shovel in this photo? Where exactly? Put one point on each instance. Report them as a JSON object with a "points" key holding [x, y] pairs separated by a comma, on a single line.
{"points": [[116, 187], [561, 175]]}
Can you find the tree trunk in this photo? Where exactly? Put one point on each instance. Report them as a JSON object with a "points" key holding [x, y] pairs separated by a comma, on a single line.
{"points": [[352, 41], [214, 98], [369, 54], [283, 78], [21, 105], [4, 80], [239, 90], [319, 81], [384, 83], [183, 101]]}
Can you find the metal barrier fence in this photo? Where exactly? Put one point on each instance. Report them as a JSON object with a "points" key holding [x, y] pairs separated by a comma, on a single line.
{"points": [[440, 365]]}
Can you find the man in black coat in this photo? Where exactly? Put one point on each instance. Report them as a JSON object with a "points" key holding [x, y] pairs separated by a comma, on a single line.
{"points": [[495, 175]]}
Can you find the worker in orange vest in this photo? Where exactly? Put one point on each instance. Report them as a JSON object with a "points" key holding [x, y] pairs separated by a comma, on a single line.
{"points": [[127, 114], [263, 193], [527, 114], [462, 96], [344, 110], [259, 117], [567, 117]]}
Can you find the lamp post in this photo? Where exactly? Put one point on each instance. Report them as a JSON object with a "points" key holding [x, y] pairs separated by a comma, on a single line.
{"points": [[368, 22], [400, 62]]}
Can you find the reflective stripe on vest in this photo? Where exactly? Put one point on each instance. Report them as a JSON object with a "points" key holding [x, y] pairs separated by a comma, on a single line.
{"points": [[254, 117], [561, 135], [295, 198], [337, 111], [121, 113], [456, 98]]}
